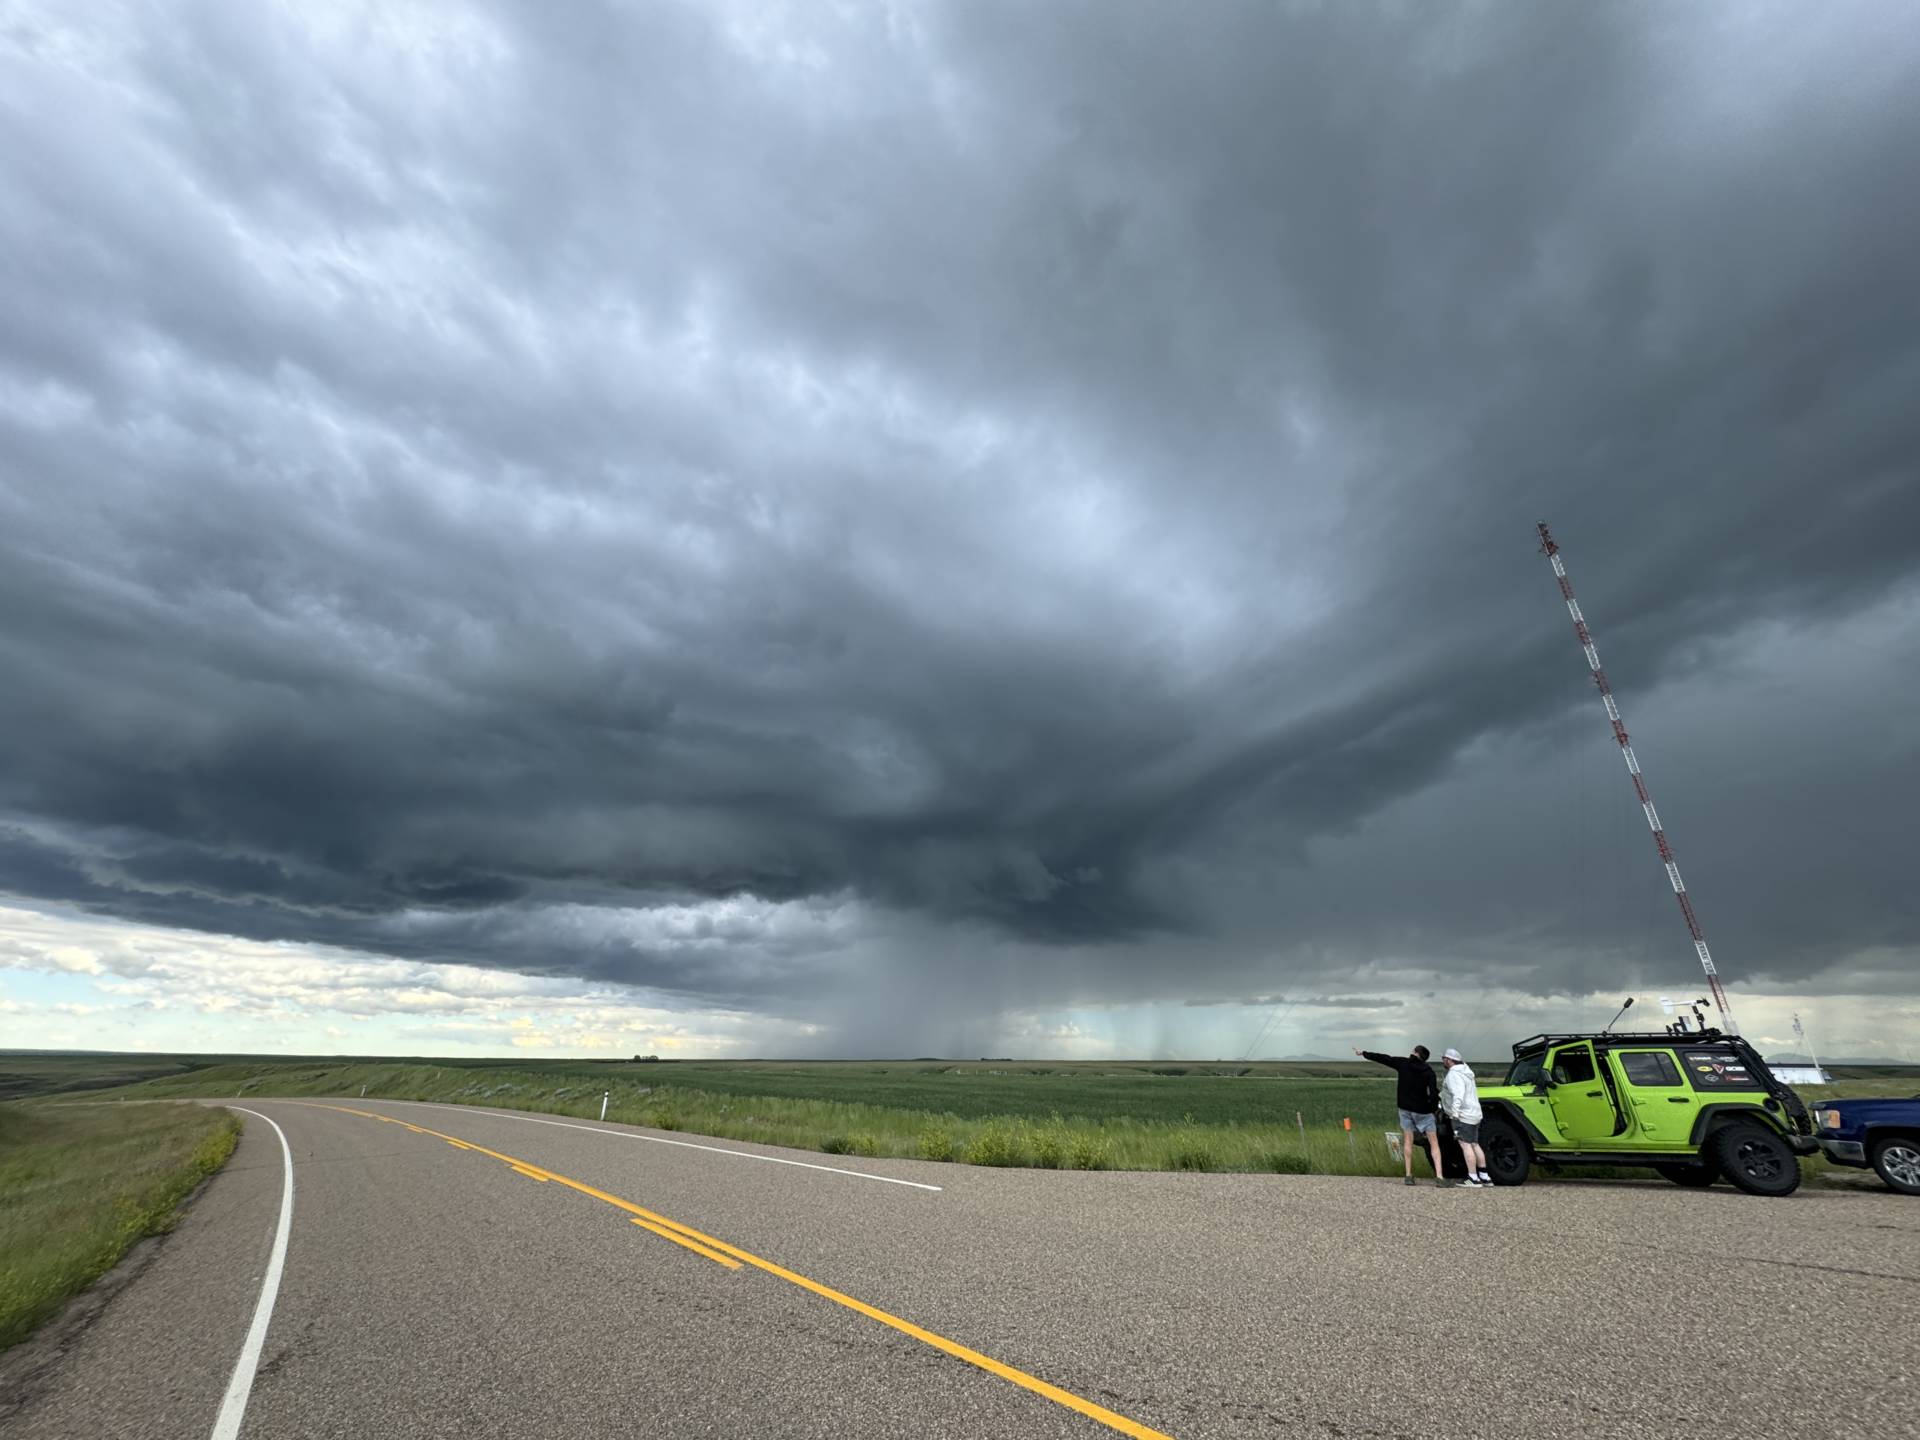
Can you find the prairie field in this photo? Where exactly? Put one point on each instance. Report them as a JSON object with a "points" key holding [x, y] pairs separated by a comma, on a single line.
{"points": [[1286, 1116]]}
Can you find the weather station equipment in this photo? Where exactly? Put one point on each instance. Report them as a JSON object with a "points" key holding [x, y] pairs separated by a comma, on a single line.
{"points": [[1551, 550]]}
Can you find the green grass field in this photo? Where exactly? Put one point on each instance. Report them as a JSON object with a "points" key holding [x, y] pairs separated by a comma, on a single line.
{"points": [[1147, 1116], [79, 1184], [25, 1073], [1206, 1094], [1159, 1115]]}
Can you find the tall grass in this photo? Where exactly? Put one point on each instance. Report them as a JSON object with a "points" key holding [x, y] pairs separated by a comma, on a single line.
{"points": [[80, 1184]]}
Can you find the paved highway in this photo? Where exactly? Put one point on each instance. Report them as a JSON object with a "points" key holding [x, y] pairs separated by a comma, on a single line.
{"points": [[458, 1272]]}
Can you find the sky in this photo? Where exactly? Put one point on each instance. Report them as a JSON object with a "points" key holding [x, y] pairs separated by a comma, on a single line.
{"points": [[746, 529]]}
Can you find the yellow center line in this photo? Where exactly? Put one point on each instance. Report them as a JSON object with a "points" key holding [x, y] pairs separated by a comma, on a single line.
{"points": [[679, 1239], [695, 1240]]}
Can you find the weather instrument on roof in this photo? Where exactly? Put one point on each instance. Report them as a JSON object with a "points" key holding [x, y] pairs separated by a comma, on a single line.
{"points": [[1552, 552]]}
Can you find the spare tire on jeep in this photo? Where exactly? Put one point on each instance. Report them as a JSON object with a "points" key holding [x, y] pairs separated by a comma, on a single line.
{"points": [[1755, 1158]]}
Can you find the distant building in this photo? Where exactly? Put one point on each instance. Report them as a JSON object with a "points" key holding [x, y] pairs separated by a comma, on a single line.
{"points": [[1800, 1074]]}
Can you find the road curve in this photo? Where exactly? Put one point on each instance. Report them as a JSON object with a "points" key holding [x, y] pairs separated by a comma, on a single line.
{"points": [[459, 1272]]}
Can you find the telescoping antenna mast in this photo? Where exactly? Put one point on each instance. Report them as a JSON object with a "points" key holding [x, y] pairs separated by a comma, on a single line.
{"points": [[1552, 552]]}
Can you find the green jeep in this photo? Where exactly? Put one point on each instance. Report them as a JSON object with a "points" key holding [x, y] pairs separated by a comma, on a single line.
{"points": [[1695, 1107]]}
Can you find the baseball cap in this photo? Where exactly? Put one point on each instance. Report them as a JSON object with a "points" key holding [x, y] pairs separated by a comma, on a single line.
{"points": [[1450, 1054]]}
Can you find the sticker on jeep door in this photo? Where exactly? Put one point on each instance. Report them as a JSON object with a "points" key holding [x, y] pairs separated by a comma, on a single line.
{"points": [[1715, 1070]]}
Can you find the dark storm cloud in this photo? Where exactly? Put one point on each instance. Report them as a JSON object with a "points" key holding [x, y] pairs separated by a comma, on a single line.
{"points": [[1051, 476]]}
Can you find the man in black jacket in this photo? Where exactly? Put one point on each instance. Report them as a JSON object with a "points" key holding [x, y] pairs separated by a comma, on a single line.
{"points": [[1418, 1095]]}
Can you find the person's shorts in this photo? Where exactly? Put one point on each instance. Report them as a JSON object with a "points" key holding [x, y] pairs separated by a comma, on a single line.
{"points": [[1468, 1133], [1419, 1124]]}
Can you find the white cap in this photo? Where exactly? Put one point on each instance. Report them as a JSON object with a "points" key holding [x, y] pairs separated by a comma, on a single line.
{"points": [[1450, 1054]]}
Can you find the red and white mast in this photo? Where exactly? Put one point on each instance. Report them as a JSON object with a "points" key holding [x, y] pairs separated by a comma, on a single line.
{"points": [[1552, 552]]}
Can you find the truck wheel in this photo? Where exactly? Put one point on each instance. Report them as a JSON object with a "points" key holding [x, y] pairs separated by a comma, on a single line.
{"points": [[1694, 1177], [1508, 1158], [1755, 1159], [1897, 1158]]}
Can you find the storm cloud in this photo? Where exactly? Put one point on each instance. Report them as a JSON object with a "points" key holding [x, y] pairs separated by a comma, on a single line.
{"points": [[965, 508]]}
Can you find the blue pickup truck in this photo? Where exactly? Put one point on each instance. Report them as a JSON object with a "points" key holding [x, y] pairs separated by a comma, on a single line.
{"points": [[1882, 1133]]}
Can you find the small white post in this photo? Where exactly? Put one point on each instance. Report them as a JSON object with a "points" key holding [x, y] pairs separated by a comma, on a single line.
{"points": [[604, 1094], [363, 1092]]}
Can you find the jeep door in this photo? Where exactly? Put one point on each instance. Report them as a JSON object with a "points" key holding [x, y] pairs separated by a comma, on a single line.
{"points": [[1662, 1104], [1581, 1106]]}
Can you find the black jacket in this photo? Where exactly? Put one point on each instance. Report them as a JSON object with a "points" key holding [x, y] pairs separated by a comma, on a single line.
{"points": [[1417, 1091]]}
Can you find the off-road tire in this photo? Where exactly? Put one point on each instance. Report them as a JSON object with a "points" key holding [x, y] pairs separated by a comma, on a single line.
{"points": [[1692, 1176], [1508, 1155], [1897, 1159], [1755, 1159]]}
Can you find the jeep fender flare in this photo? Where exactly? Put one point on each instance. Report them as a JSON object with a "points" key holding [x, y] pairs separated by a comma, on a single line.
{"points": [[1516, 1117], [1713, 1117]]}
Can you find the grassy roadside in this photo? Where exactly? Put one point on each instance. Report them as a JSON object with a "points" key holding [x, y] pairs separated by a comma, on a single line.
{"points": [[79, 1184], [1043, 1138]]}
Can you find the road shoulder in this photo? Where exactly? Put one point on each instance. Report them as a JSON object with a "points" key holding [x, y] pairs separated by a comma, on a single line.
{"points": [[157, 1335]]}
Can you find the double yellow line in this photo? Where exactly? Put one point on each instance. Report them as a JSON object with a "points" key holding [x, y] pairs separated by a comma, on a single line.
{"points": [[733, 1257]]}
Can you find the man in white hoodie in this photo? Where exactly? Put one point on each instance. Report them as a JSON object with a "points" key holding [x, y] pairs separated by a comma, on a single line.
{"points": [[1460, 1098]]}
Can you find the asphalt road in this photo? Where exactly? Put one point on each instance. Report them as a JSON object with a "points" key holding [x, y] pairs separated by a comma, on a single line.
{"points": [[433, 1290]]}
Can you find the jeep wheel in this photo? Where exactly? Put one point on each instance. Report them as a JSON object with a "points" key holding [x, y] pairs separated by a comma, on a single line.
{"points": [[1694, 1177], [1755, 1159], [1507, 1156], [1897, 1158]]}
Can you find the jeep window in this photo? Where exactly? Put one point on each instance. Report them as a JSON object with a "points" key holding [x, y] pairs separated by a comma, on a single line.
{"points": [[1570, 1067], [1527, 1071], [1649, 1067], [1717, 1070]]}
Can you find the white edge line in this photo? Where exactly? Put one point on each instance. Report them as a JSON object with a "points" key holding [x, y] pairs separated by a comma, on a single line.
{"points": [[656, 1140], [233, 1406]]}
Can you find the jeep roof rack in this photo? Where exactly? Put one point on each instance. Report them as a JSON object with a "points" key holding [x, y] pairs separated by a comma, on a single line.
{"points": [[1618, 1037]]}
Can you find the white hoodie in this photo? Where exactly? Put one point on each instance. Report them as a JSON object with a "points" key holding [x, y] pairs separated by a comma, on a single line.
{"points": [[1459, 1096]]}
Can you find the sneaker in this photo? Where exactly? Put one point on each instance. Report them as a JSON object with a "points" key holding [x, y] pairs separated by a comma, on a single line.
{"points": [[1409, 1179], [1467, 1184], [1484, 1178], [1443, 1184]]}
